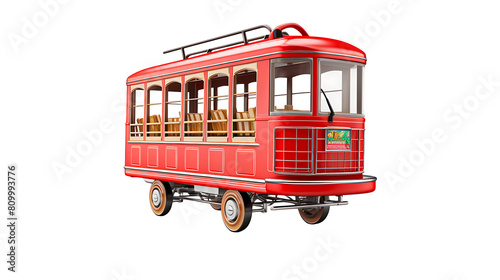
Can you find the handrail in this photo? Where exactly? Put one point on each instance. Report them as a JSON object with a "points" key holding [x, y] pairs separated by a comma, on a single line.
{"points": [[244, 41], [278, 31]]}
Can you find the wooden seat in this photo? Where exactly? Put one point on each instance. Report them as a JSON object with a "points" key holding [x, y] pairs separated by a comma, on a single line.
{"points": [[158, 126], [286, 108], [140, 121], [136, 128], [239, 125], [221, 125], [154, 127], [197, 126], [247, 127], [173, 125], [251, 115], [190, 126]]}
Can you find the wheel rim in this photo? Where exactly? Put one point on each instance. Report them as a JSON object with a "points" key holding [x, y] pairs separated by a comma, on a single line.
{"points": [[160, 198], [311, 212], [315, 215], [236, 210], [216, 207], [156, 198], [231, 210]]}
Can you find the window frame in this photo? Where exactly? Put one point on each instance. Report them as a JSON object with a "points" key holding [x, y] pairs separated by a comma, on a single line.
{"points": [[359, 97], [210, 136], [236, 69], [272, 84], [167, 133], [193, 138], [151, 86], [133, 90]]}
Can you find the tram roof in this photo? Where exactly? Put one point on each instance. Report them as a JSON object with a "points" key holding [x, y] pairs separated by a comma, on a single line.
{"points": [[285, 45]]}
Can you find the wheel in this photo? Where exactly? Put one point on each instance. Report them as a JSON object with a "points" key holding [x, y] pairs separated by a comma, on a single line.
{"points": [[160, 198], [236, 210], [314, 215], [216, 207]]}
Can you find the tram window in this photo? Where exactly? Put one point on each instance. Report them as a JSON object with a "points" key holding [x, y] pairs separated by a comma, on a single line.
{"points": [[244, 105], [291, 86], [218, 102], [153, 112], [137, 114], [342, 83], [194, 108], [173, 102]]}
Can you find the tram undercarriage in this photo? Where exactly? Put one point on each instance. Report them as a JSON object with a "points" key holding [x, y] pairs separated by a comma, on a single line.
{"points": [[237, 206]]}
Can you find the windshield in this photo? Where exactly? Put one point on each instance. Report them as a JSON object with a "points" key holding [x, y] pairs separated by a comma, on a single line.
{"points": [[291, 86], [342, 83]]}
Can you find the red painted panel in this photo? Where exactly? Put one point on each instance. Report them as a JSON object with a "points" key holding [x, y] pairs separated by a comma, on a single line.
{"points": [[152, 156], [245, 162], [171, 157], [135, 155], [192, 159], [216, 160]]}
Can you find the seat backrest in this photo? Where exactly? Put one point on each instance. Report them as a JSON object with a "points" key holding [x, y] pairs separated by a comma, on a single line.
{"points": [[170, 127], [158, 126], [173, 126], [251, 115], [190, 126], [246, 124], [140, 121], [239, 125], [224, 113], [215, 116], [177, 126], [198, 125]]}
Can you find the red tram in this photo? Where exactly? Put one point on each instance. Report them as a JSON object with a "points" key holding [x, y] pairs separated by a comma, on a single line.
{"points": [[272, 121]]}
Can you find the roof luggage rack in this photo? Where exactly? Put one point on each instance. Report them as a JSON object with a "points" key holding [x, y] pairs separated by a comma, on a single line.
{"points": [[244, 41]]}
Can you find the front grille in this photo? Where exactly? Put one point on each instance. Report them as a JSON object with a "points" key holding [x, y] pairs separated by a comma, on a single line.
{"points": [[293, 150], [302, 150]]}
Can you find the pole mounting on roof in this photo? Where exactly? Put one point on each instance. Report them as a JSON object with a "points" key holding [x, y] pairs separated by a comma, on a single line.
{"points": [[245, 40]]}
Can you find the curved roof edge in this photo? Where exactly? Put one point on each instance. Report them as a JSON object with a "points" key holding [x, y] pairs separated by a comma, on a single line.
{"points": [[260, 48]]}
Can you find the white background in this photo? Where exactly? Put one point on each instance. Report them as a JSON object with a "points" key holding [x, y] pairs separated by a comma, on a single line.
{"points": [[439, 219]]}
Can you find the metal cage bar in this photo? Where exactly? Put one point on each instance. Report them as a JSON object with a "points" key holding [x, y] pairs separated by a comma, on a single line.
{"points": [[245, 40]]}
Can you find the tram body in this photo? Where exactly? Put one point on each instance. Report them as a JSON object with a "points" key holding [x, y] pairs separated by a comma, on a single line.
{"points": [[252, 120]]}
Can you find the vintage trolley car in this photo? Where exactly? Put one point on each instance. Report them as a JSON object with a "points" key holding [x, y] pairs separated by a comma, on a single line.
{"points": [[272, 121]]}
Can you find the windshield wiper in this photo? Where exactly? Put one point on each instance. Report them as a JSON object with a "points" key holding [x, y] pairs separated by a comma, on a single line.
{"points": [[332, 113]]}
